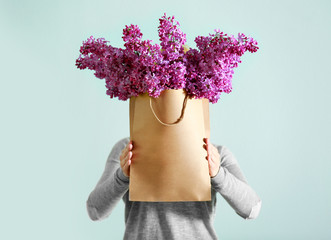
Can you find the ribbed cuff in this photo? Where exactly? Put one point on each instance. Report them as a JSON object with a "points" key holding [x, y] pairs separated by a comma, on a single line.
{"points": [[217, 180], [121, 176], [255, 210]]}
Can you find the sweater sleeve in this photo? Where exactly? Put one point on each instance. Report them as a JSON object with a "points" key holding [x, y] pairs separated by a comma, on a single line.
{"points": [[233, 186], [111, 187]]}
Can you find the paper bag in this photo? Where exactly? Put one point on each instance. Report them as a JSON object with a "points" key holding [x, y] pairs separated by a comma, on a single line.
{"points": [[169, 161]]}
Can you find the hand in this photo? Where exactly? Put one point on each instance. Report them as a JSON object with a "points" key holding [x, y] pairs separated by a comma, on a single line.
{"points": [[213, 158], [125, 159]]}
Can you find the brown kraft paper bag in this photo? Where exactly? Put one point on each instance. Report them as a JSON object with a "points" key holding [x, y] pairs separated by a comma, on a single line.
{"points": [[168, 161]]}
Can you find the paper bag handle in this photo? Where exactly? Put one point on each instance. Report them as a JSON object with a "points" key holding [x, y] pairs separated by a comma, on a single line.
{"points": [[178, 120]]}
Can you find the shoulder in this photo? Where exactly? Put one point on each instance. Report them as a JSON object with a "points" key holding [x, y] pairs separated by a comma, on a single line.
{"points": [[226, 155]]}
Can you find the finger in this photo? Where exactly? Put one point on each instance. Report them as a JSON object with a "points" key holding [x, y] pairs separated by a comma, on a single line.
{"points": [[127, 163], [127, 157], [215, 153], [214, 149], [209, 165], [125, 169], [128, 148], [208, 152], [122, 154], [124, 159], [125, 150], [205, 146], [210, 159], [213, 158], [122, 162]]}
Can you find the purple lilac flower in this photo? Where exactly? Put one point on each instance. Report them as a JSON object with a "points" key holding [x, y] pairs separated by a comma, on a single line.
{"points": [[141, 67]]}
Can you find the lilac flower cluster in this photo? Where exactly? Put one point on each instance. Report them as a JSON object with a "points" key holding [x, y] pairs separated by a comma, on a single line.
{"points": [[141, 67], [210, 68]]}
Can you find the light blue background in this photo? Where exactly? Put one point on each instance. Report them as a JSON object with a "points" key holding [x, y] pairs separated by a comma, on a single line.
{"points": [[58, 125]]}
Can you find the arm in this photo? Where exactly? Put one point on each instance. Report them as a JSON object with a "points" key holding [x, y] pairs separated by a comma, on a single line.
{"points": [[233, 186], [111, 187]]}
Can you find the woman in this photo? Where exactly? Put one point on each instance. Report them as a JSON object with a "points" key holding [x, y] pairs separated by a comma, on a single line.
{"points": [[172, 220]]}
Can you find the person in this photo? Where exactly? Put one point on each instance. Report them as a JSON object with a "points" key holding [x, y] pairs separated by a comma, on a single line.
{"points": [[172, 220]]}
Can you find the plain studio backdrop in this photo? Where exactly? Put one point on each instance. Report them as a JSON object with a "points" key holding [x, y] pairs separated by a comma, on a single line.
{"points": [[58, 125]]}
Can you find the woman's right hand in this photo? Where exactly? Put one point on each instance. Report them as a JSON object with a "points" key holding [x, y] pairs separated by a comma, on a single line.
{"points": [[125, 159]]}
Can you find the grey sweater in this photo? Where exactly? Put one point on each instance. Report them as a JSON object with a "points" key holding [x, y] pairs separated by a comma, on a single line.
{"points": [[171, 220]]}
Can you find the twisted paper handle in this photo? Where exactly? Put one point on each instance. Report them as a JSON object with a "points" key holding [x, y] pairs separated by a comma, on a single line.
{"points": [[178, 120]]}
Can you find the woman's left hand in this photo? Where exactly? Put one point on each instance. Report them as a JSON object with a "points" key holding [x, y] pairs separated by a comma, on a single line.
{"points": [[213, 157]]}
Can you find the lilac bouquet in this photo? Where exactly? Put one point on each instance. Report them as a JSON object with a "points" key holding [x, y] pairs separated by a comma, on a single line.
{"points": [[141, 67]]}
